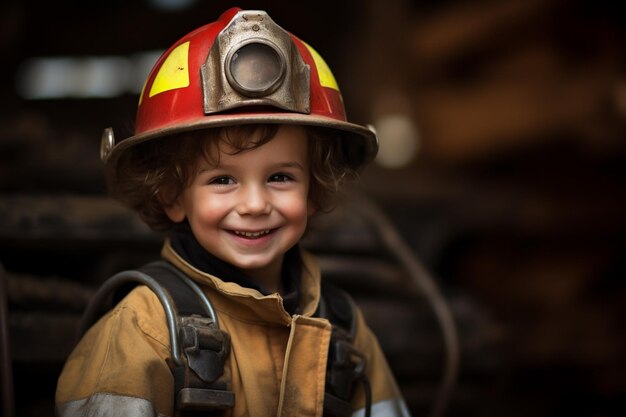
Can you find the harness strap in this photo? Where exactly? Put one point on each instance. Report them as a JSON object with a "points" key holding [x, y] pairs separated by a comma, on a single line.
{"points": [[200, 348], [346, 365], [202, 383]]}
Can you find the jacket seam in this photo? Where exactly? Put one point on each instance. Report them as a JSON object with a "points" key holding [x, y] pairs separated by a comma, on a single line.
{"points": [[141, 323], [283, 379], [321, 372], [115, 326]]}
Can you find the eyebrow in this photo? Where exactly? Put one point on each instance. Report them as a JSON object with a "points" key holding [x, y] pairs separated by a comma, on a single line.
{"points": [[294, 164], [290, 165]]}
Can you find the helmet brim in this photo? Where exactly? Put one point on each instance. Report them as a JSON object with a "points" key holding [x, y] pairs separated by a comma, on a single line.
{"points": [[360, 143]]}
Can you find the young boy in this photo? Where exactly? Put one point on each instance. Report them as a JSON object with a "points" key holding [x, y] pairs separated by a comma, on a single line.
{"points": [[240, 137]]}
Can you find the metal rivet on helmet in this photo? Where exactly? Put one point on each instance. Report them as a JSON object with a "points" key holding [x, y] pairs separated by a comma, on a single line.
{"points": [[106, 143]]}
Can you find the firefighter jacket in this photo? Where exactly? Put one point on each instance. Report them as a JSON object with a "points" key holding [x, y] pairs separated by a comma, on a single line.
{"points": [[122, 365]]}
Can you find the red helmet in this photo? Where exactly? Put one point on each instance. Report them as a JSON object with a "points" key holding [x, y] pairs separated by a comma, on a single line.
{"points": [[241, 69]]}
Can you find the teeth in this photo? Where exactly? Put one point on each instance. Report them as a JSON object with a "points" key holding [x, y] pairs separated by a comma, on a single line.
{"points": [[252, 234]]}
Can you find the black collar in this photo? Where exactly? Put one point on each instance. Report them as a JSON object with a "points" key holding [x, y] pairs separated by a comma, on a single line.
{"points": [[186, 245]]}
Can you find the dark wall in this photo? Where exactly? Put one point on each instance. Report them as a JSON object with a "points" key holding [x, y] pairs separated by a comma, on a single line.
{"points": [[514, 200]]}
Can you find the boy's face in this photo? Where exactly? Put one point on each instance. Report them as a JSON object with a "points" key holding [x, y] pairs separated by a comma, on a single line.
{"points": [[253, 206]]}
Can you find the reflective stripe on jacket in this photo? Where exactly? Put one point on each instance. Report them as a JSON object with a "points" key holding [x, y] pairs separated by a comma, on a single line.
{"points": [[277, 361]]}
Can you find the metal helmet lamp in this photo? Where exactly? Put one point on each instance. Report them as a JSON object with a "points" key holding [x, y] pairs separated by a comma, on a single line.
{"points": [[253, 62]]}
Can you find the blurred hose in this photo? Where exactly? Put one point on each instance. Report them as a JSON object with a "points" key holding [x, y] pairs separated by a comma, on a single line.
{"points": [[427, 285], [6, 369]]}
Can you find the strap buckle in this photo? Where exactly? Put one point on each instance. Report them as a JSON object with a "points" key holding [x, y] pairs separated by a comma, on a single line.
{"points": [[201, 384]]}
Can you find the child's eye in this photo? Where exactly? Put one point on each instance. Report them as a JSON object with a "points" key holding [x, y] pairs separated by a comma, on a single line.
{"points": [[280, 178], [222, 181]]}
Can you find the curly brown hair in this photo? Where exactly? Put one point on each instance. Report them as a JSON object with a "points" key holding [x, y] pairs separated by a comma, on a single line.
{"points": [[152, 175]]}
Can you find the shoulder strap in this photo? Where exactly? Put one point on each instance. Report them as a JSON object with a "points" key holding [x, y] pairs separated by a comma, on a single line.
{"points": [[338, 307], [177, 293], [199, 347], [185, 293], [346, 365]]}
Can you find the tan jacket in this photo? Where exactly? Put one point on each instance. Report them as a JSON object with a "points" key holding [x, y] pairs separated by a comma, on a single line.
{"points": [[277, 361]]}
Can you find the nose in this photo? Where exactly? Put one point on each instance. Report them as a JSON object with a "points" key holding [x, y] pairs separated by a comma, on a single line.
{"points": [[253, 201]]}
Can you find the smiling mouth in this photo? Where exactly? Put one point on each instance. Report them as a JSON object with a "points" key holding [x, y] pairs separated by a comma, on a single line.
{"points": [[252, 235]]}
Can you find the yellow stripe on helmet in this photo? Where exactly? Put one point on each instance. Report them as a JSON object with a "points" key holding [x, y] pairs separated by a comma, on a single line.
{"points": [[327, 79], [174, 72]]}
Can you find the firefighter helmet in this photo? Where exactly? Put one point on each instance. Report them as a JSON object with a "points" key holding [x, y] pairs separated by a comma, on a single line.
{"points": [[241, 69]]}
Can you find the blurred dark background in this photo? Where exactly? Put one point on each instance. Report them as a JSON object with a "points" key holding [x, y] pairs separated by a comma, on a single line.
{"points": [[502, 165]]}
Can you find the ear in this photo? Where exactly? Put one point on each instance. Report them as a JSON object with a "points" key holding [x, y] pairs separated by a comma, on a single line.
{"points": [[174, 208]]}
